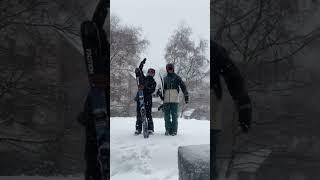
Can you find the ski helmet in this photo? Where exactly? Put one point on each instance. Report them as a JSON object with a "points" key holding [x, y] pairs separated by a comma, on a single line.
{"points": [[170, 67], [151, 72]]}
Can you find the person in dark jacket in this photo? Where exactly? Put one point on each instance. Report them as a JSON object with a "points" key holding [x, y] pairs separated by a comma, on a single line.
{"points": [[222, 66], [172, 84], [148, 84]]}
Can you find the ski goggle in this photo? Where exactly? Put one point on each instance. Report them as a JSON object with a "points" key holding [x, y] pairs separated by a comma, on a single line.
{"points": [[151, 72]]}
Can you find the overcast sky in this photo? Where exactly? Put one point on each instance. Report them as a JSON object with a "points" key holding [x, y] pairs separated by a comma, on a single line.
{"points": [[159, 19]]}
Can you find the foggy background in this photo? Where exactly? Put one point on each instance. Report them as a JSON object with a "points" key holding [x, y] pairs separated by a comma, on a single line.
{"points": [[163, 32], [159, 19]]}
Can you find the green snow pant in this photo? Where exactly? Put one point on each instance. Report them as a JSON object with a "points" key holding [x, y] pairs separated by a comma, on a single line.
{"points": [[171, 109]]}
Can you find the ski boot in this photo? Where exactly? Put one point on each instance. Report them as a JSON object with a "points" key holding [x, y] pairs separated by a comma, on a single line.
{"points": [[137, 132]]}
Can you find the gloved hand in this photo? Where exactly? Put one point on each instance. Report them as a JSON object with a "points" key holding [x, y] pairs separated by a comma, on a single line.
{"points": [[159, 92], [143, 61], [160, 107], [245, 113], [137, 71], [186, 99], [140, 87]]}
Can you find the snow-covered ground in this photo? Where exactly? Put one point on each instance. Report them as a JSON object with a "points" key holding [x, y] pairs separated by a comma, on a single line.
{"points": [[133, 157]]}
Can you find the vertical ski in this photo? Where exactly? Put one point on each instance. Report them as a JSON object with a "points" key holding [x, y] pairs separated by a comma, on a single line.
{"points": [[161, 95], [142, 107], [96, 55], [161, 84]]}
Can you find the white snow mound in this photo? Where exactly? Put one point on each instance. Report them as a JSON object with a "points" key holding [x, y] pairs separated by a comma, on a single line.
{"points": [[155, 158]]}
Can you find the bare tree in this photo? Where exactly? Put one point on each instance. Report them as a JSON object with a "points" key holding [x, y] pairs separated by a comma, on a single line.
{"points": [[259, 31], [189, 58], [126, 46]]}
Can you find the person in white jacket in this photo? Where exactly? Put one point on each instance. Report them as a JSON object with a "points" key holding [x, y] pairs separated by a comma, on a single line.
{"points": [[172, 85]]}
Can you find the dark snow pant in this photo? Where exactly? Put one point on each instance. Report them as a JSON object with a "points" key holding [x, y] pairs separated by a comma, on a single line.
{"points": [[148, 106], [171, 112]]}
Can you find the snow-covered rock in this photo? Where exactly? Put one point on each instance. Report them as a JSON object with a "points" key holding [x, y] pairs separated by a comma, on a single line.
{"points": [[194, 162]]}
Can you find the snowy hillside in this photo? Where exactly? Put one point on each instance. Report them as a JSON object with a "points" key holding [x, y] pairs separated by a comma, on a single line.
{"points": [[133, 157]]}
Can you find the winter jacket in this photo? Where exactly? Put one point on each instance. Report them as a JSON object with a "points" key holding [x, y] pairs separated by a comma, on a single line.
{"points": [[148, 83], [172, 83], [149, 87]]}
